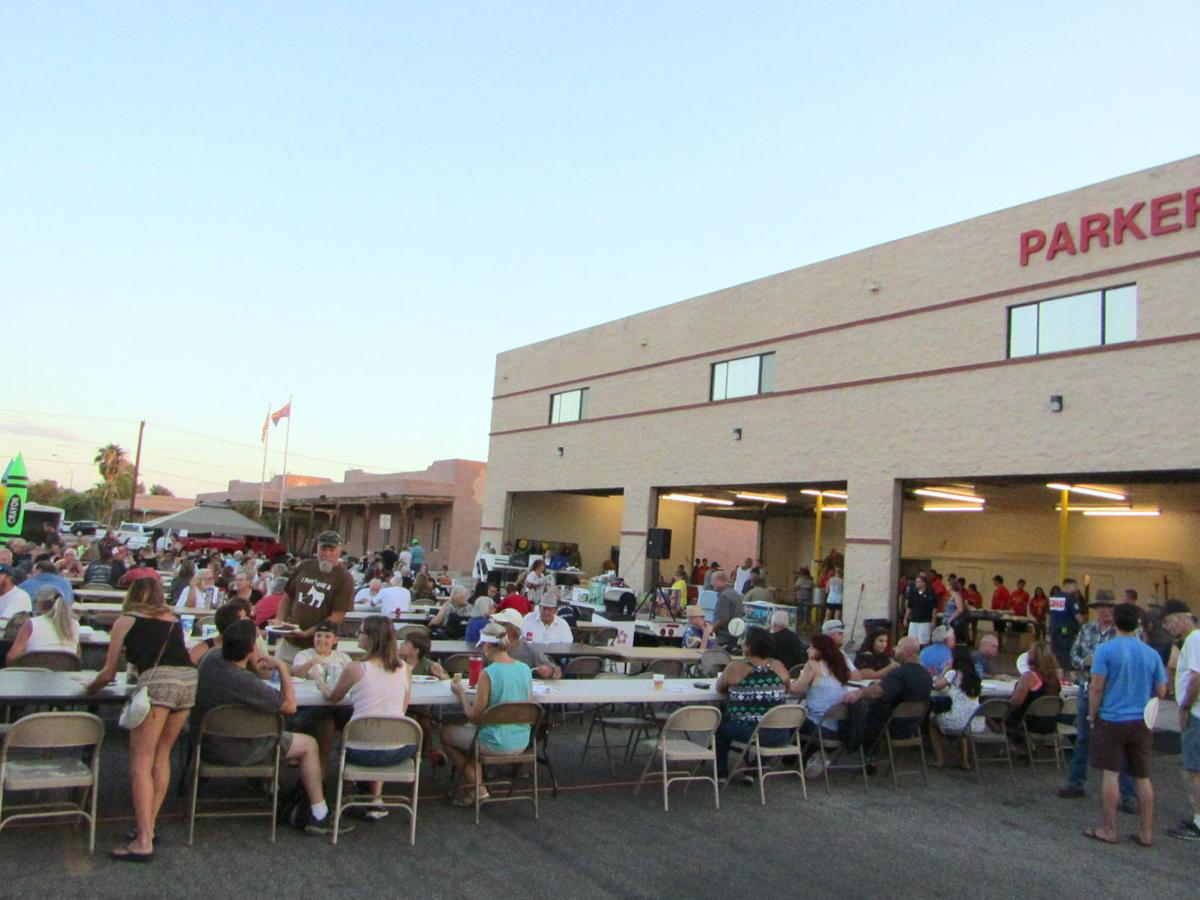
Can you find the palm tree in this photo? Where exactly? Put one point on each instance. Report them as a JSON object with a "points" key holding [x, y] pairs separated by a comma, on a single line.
{"points": [[110, 460]]}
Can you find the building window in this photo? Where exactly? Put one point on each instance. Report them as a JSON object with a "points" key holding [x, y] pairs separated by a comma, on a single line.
{"points": [[569, 406], [743, 377], [436, 542], [1093, 319]]}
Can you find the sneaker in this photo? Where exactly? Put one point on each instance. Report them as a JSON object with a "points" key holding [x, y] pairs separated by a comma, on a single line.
{"points": [[375, 813], [748, 780], [1185, 831], [1072, 792], [325, 826], [814, 768]]}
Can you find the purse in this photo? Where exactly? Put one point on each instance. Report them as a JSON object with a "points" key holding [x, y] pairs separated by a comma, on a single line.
{"points": [[137, 707]]}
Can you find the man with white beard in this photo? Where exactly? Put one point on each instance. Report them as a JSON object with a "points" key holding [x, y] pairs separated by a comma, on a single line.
{"points": [[319, 589]]}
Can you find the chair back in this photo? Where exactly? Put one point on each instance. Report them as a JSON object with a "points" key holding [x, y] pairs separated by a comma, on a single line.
{"points": [[456, 663], [348, 628], [701, 719], [518, 713], [584, 667], [911, 709], [713, 662], [52, 660], [403, 633], [997, 708], [603, 637], [794, 671], [671, 668], [786, 715], [54, 729], [382, 733], [233, 720], [97, 586], [1044, 707]]}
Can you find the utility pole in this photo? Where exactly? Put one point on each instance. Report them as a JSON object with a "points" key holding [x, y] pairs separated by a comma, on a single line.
{"points": [[137, 465]]}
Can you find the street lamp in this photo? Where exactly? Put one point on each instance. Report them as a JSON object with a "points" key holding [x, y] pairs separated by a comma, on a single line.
{"points": [[70, 471]]}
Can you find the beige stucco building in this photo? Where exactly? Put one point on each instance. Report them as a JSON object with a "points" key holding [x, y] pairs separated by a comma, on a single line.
{"points": [[930, 361]]}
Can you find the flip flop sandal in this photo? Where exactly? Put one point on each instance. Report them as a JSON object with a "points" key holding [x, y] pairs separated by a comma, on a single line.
{"points": [[1091, 833], [124, 854]]}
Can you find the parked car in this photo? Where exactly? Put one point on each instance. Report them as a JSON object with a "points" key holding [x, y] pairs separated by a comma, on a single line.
{"points": [[267, 547], [86, 526]]}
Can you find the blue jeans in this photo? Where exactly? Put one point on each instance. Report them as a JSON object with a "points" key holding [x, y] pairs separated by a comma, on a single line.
{"points": [[1078, 765], [391, 757], [731, 730]]}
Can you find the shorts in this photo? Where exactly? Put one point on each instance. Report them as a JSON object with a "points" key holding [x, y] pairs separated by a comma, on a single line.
{"points": [[1117, 744], [462, 737], [922, 631], [245, 751], [173, 687], [1190, 742], [393, 756]]}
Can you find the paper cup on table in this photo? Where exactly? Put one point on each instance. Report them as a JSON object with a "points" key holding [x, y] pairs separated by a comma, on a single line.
{"points": [[660, 682]]}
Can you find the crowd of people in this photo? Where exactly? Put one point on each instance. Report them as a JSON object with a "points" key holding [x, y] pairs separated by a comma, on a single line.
{"points": [[1113, 652]]}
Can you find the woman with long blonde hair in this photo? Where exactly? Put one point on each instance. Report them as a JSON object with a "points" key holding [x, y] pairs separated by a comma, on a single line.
{"points": [[151, 638], [52, 629]]}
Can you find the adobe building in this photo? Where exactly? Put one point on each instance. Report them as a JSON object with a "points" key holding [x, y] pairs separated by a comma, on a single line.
{"points": [[924, 392], [441, 506]]}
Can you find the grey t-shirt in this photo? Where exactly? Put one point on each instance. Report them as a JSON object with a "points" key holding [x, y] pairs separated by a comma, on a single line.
{"points": [[729, 606], [220, 682], [528, 654]]}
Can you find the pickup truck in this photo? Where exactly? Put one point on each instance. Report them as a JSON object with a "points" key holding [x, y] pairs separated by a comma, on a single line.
{"points": [[134, 535]]}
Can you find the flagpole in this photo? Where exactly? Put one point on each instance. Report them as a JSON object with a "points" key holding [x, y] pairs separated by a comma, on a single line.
{"points": [[266, 442], [283, 487]]}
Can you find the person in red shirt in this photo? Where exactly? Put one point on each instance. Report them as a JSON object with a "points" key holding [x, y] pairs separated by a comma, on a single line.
{"points": [[1001, 602], [513, 600], [1039, 606], [267, 608], [1019, 599]]}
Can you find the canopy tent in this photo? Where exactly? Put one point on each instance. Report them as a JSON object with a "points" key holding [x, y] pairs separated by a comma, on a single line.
{"points": [[212, 520]]}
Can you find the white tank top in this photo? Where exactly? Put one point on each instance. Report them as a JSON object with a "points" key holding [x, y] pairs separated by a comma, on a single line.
{"points": [[379, 692], [44, 637]]}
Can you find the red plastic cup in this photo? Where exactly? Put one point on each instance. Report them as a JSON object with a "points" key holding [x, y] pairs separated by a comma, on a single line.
{"points": [[474, 667]]}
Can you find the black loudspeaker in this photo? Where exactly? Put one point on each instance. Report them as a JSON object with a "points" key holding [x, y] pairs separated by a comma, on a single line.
{"points": [[658, 543]]}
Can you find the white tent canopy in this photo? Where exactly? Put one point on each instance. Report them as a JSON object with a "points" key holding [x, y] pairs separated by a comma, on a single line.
{"points": [[211, 520]]}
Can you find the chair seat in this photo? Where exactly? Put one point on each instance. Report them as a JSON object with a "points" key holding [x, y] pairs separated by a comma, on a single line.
{"points": [[678, 748], [212, 770], [988, 737], [404, 772], [1067, 730], [501, 758], [784, 750], [43, 774]]}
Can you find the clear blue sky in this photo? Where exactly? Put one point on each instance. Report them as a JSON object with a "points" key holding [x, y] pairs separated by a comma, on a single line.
{"points": [[207, 206]]}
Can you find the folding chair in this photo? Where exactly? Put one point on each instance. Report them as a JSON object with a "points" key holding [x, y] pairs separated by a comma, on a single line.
{"points": [[685, 721], [610, 716], [403, 633], [236, 721], [824, 744], [671, 668], [521, 713], [81, 733], [1047, 708], [456, 663], [784, 717], [911, 710], [713, 662], [993, 712], [378, 733], [584, 667]]}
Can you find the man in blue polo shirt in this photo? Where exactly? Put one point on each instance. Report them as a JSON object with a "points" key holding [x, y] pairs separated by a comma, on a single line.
{"points": [[1125, 675]]}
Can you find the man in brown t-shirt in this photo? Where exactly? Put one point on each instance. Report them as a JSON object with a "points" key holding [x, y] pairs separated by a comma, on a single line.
{"points": [[319, 589]]}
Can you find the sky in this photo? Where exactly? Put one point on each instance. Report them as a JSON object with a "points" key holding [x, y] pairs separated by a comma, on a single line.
{"points": [[208, 208]]}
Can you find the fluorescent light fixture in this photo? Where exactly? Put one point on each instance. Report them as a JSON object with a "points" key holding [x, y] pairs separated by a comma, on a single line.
{"points": [[1147, 513], [1099, 507], [837, 495], [834, 508], [764, 498], [952, 507], [943, 494], [693, 498], [1089, 490]]}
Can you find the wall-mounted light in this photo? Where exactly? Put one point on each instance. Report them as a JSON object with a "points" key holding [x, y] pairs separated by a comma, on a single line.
{"points": [[559, 450], [1056, 403], [1148, 512], [944, 494], [834, 508], [763, 498], [952, 507], [836, 495], [737, 434]]}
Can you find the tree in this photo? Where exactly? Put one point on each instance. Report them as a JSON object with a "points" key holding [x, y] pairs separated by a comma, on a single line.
{"points": [[78, 505], [111, 461], [160, 490], [46, 492]]}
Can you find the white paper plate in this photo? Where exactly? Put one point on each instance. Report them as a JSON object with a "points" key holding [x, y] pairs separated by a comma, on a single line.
{"points": [[1150, 713], [425, 679]]}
